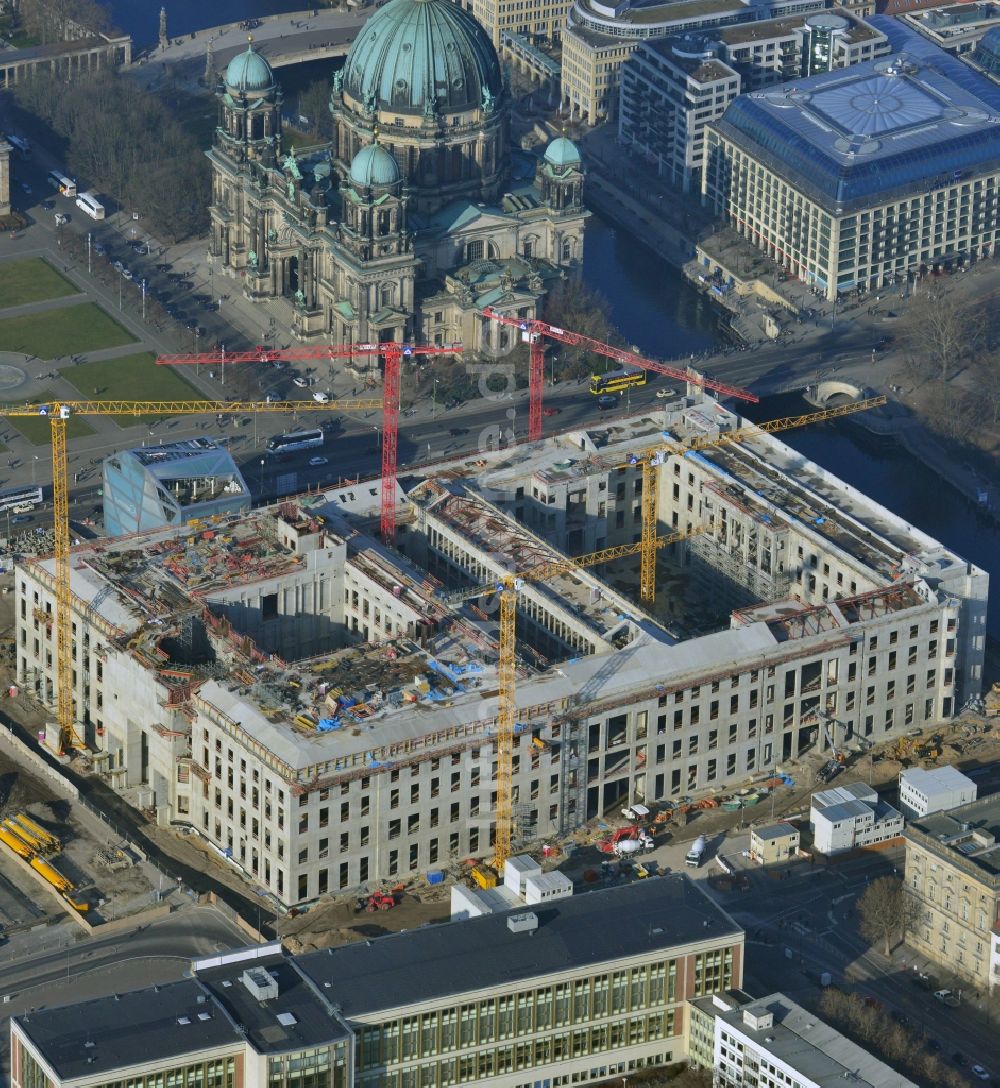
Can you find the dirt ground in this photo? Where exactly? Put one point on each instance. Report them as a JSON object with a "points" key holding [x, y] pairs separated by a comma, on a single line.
{"points": [[339, 921]]}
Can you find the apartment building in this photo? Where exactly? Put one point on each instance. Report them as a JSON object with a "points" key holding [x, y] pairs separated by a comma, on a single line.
{"points": [[953, 874], [588, 988], [322, 710], [845, 193], [600, 36], [672, 88], [771, 1042]]}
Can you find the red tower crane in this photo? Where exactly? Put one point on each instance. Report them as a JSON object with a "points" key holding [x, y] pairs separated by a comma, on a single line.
{"points": [[392, 355], [534, 330]]}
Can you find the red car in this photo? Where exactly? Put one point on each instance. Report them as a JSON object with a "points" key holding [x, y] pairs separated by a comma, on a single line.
{"points": [[551, 411]]}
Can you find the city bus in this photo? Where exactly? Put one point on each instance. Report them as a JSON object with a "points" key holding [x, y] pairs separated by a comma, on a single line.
{"points": [[20, 500], [295, 441], [89, 203], [62, 184], [617, 380], [20, 145]]}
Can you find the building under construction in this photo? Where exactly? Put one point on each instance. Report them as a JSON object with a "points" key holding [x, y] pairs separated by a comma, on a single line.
{"points": [[323, 709]]}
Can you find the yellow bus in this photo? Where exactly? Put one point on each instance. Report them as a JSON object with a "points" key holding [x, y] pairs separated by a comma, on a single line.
{"points": [[617, 380]]}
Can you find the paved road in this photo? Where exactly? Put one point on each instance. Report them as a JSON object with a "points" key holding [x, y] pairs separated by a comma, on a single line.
{"points": [[160, 952]]}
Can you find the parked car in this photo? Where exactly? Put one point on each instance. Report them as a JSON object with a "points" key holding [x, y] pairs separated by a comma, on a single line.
{"points": [[118, 266], [101, 251], [299, 382], [980, 1073], [315, 462], [321, 398], [61, 219], [946, 997], [163, 268], [126, 273]]}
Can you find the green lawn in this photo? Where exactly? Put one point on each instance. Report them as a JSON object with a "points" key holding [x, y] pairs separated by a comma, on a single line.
{"points": [[65, 331], [37, 429], [31, 281], [131, 377]]}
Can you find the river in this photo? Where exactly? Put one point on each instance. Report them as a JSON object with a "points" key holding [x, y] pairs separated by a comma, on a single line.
{"points": [[658, 311]]}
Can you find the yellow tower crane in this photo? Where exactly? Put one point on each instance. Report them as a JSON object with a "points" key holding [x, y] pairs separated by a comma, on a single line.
{"points": [[59, 413], [652, 458]]}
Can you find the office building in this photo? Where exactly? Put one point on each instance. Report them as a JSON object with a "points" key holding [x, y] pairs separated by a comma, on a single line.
{"points": [[773, 843], [537, 21], [322, 710], [771, 1042], [155, 486], [600, 36], [953, 873], [923, 792], [855, 179], [671, 88], [850, 817], [576, 992]]}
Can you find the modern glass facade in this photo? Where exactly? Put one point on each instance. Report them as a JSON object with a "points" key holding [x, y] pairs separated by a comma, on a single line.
{"points": [[604, 1014]]}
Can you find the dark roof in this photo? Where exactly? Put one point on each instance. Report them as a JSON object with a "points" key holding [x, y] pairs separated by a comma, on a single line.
{"points": [[306, 1017], [482, 953], [217, 1008], [142, 1027]]}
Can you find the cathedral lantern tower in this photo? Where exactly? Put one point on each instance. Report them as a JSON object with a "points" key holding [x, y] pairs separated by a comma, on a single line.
{"points": [[249, 127]]}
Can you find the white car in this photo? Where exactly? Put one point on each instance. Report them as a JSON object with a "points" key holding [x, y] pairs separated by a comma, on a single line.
{"points": [[662, 394], [315, 462], [61, 219], [127, 273], [321, 398], [980, 1072], [301, 383]]}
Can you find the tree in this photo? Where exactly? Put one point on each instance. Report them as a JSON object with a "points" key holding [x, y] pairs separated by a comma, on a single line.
{"points": [[886, 911], [572, 305], [941, 331]]}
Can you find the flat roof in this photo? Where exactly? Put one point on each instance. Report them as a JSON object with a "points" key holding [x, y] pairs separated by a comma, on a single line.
{"points": [[774, 831], [477, 954], [936, 780], [814, 1049], [969, 834], [865, 134], [143, 1027]]}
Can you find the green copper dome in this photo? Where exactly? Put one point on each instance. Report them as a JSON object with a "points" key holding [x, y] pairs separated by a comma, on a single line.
{"points": [[249, 72], [373, 165], [417, 54], [562, 152]]}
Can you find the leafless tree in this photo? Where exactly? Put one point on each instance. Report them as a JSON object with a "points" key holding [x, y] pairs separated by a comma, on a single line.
{"points": [[941, 331], [886, 912]]}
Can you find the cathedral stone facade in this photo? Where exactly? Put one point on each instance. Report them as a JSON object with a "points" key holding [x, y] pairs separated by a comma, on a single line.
{"points": [[419, 212]]}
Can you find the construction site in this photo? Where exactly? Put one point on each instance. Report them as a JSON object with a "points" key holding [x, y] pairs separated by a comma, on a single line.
{"points": [[322, 709]]}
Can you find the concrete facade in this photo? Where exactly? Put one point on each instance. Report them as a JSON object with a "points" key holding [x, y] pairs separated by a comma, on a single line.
{"points": [[923, 792], [671, 88], [851, 817], [322, 710], [590, 987], [953, 875], [538, 21]]}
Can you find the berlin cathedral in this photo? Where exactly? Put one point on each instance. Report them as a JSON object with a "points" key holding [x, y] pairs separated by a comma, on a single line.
{"points": [[418, 214]]}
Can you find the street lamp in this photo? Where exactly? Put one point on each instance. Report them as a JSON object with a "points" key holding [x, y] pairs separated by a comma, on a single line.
{"points": [[121, 280], [434, 386], [143, 286]]}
